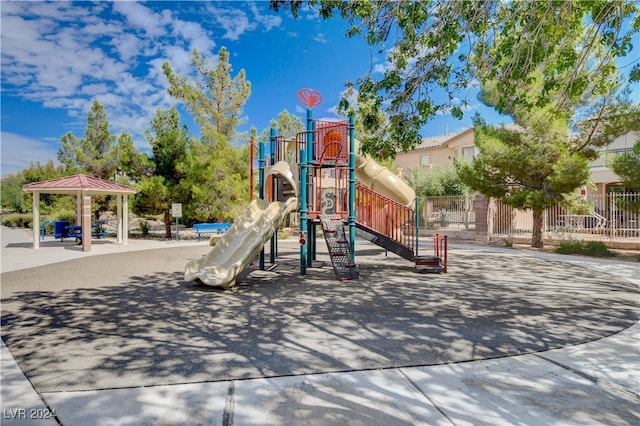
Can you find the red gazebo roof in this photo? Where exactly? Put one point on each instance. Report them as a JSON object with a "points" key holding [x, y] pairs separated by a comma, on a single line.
{"points": [[78, 183]]}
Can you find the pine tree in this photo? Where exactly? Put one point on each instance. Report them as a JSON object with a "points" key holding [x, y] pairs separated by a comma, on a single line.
{"points": [[96, 153], [215, 170]]}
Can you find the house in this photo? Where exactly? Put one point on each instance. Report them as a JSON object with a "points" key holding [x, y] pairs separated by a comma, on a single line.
{"points": [[497, 219], [438, 150], [441, 150], [603, 177]]}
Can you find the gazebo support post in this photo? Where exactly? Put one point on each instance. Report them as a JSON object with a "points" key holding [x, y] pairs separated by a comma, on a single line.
{"points": [[35, 225], [86, 222], [78, 208], [125, 219], [119, 218]]}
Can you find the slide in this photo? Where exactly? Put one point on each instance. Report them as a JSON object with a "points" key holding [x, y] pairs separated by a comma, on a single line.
{"points": [[383, 181], [240, 245]]}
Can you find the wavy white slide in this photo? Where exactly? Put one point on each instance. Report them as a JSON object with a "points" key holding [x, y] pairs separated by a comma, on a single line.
{"points": [[240, 244]]}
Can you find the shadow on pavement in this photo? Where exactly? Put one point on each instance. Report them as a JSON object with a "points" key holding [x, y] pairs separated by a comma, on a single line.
{"points": [[95, 323]]}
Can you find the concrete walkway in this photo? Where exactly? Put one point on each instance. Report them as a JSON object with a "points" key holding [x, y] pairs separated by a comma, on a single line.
{"points": [[597, 382]]}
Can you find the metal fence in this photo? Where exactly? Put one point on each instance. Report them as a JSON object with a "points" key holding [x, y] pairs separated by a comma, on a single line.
{"points": [[605, 217], [608, 216], [452, 212]]}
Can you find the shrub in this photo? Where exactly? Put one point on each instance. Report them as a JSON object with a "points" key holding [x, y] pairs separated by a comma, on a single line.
{"points": [[63, 215], [592, 248], [144, 227], [569, 247], [20, 220], [597, 248], [283, 234]]}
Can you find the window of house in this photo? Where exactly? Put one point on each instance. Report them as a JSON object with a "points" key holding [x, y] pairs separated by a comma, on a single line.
{"points": [[425, 160], [469, 152]]}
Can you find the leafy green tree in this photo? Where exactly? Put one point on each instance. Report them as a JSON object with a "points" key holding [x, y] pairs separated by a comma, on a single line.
{"points": [[627, 166], [132, 164], [96, 153], [215, 170], [437, 181], [11, 193], [169, 141], [38, 172], [215, 99], [286, 125], [438, 48], [371, 125], [542, 163], [526, 169], [216, 181]]}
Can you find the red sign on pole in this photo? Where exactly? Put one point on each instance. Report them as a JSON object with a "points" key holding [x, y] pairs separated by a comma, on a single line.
{"points": [[309, 97]]}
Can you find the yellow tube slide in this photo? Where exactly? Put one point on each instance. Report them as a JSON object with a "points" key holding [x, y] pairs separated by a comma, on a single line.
{"points": [[383, 181]]}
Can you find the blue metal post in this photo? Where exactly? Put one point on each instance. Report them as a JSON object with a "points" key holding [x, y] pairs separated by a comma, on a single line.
{"points": [[352, 186], [261, 163], [274, 239], [303, 212]]}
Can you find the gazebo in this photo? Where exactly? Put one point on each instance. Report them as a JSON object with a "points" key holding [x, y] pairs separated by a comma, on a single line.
{"points": [[83, 187]]}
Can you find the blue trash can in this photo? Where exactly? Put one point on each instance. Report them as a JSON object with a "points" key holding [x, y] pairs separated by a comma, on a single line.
{"points": [[60, 229]]}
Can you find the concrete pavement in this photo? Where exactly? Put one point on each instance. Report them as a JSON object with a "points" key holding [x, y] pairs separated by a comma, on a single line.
{"points": [[597, 382]]}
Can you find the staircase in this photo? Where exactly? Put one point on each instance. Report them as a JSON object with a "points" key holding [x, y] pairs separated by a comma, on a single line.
{"points": [[339, 248]]}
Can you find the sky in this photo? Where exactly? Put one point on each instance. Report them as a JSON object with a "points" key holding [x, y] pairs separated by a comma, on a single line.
{"points": [[57, 57]]}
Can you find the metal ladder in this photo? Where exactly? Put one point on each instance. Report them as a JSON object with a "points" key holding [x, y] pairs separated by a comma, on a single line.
{"points": [[339, 248]]}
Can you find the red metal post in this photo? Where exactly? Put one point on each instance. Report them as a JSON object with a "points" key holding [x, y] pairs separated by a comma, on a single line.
{"points": [[445, 254]]}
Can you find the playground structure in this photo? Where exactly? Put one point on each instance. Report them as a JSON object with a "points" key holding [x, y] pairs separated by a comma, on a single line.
{"points": [[319, 174]]}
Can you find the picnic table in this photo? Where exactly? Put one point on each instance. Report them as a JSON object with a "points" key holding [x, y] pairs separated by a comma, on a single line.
{"points": [[75, 231], [210, 228]]}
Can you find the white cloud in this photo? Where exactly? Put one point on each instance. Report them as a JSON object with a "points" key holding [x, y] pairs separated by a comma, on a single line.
{"points": [[18, 152], [128, 46], [65, 55], [194, 35], [140, 16], [381, 68], [235, 22], [269, 21], [320, 38]]}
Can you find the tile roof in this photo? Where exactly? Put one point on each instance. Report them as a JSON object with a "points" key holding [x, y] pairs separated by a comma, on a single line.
{"points": [[436, 141], [75, 183]]}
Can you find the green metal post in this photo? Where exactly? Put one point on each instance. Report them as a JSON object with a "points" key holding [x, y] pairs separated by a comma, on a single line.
{"points": [[352, 186], [310, 177], [274, 239], [303, 212], [261, 163]]}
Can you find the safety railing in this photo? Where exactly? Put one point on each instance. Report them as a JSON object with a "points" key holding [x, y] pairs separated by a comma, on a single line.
{"points": [[330, 142], [385, 216]]}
